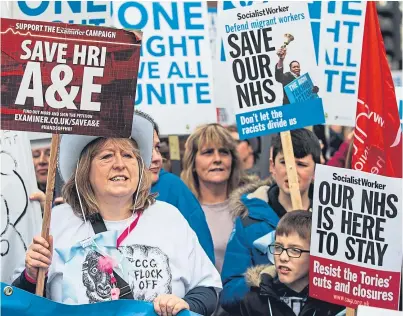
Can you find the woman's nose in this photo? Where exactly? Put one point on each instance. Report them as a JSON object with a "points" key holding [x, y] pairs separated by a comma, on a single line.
{"points": [[119, 161], [217, 156]]}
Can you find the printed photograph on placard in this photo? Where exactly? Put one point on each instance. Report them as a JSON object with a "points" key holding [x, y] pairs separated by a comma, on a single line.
{"points": [[70, 79], [271, 62]]}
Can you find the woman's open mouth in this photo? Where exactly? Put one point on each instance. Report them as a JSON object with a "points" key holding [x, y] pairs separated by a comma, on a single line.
{"points": [[119, 178]]}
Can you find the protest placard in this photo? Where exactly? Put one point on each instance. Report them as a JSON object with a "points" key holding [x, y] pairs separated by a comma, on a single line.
{"points": [[74, 12], [175, 74], [356, 241], [263, 46], [63, 78], [20, 218], [340, 47], [337, 32]]}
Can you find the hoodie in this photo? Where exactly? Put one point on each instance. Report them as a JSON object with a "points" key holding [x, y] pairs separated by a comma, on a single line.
{"points": [[172, 189], [269, 297]]}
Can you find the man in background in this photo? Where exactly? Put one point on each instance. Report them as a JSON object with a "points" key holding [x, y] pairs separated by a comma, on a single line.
{"points": [[40, 147]]}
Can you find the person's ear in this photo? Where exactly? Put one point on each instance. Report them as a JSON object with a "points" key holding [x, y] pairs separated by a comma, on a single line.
{"points": [[272, 171]]}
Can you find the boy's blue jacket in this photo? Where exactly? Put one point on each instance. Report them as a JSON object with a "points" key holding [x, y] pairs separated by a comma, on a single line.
{"points": [[255, 219], [172, 189], [255, 224]]}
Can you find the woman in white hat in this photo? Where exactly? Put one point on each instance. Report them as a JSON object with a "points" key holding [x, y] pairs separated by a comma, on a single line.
{"points": [[112, 240]]}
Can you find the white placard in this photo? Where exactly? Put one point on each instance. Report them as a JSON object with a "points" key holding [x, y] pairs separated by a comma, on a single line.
{"points": [[356, 240], [337, 32], [20, 219]]}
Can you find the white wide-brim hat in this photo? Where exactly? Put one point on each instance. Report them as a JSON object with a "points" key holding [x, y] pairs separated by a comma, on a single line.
{"points": [[39, 140], [71, 146]]}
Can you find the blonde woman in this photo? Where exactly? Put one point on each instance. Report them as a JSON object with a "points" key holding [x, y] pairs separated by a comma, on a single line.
{"points": [[211, 170], [112, 240]]}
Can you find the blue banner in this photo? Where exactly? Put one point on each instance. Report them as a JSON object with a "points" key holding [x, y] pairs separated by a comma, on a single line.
{"points": [[280, 119], [17, 302]]}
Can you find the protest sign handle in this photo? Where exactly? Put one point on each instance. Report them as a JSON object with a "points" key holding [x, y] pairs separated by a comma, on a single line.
{"points": [[40, 283], [175, 154], [292, 175], [350, 311]]}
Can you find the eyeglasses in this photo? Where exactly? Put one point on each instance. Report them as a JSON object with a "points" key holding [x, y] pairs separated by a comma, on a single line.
{"points": [[292, 252]]}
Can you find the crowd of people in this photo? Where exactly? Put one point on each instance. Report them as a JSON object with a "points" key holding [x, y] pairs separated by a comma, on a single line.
{"points": [[218, 240]]}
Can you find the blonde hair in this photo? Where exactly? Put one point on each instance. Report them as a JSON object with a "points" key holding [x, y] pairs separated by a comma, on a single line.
{"points": [[209, 135], [88, 199]]}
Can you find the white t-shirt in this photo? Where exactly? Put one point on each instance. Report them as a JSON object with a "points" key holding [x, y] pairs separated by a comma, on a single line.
{"points": [[163, 253]]}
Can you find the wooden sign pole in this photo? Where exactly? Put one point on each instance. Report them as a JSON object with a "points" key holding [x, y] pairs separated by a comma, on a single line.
{"points": [[175, 154], [50, 185], [292, 175]]}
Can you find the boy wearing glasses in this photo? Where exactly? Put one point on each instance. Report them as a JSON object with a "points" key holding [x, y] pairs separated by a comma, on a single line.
{"points": [[282, 289], [259, 208]]}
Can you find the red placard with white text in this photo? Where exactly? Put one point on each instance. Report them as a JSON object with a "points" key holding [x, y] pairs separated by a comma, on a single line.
{"points": [[69, 79], [356, 240]]}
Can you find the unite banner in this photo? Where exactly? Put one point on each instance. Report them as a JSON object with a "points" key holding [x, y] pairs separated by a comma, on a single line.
{"points": [[269, 50], [69, 79], [356, 240]]}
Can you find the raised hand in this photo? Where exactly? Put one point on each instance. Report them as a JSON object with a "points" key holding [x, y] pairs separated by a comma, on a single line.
{"points": [[281, 52]]}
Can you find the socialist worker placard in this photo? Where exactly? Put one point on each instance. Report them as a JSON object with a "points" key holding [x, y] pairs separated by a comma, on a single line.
{"points": [[68, 79], [356, 239]]}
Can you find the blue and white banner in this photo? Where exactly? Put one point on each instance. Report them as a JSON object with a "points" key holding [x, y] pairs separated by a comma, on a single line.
{"points": [[175, 76], [175, 80], [340, 47], [280, 119], [74, 12], [337, 31], [267, 46]]}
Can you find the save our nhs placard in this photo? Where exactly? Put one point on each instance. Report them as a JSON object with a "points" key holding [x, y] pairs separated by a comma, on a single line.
{"points": [[337, 30], [267, 46], [175, 74]]}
